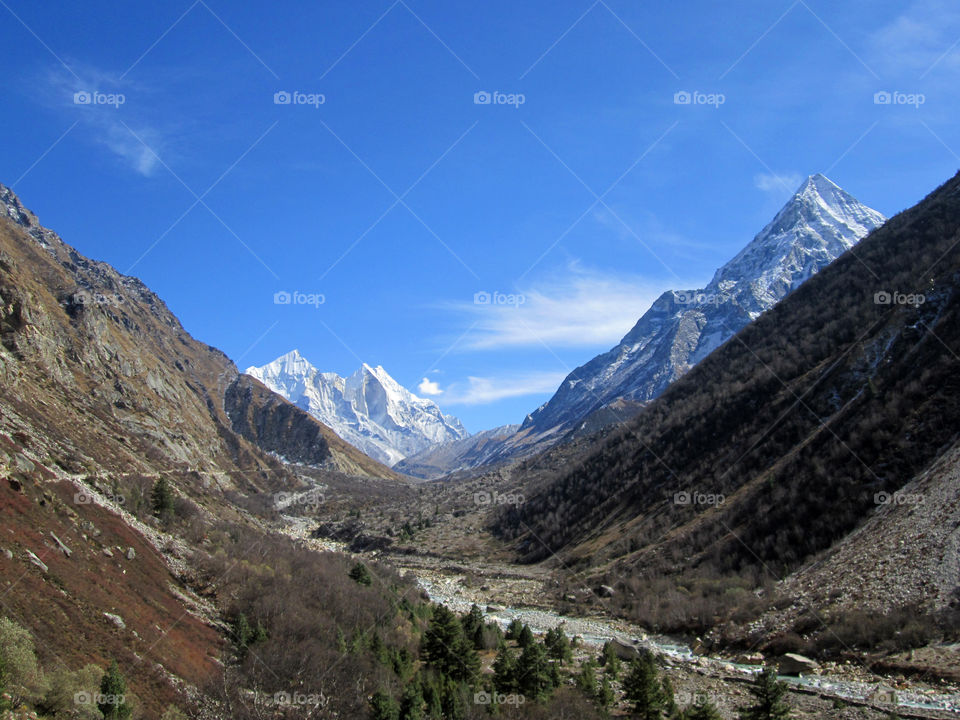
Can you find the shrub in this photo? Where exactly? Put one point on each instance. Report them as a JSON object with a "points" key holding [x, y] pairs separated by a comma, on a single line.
{"points": [[19, 674]]}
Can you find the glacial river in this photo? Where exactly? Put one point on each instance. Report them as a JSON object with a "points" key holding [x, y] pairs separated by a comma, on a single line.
{"points": [[595, 632]]}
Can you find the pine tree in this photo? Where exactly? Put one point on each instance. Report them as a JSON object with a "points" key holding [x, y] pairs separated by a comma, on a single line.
{"points": [[447, 649], [411, 702], [505, 671], [473, 626], [605, 697], [112, 702], [161, 498], [384, 707], [514, 629], [525, 639], [558, 647], [360, 574], [768, 703], [643, 688], [587, 679], [533, 672], [610, 660]]}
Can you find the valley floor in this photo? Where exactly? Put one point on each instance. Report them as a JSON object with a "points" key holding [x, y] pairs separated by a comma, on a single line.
{"points": [[450, 562]]}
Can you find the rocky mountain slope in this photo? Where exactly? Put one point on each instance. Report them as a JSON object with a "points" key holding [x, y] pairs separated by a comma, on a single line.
{"points": [[98, 373], [368, 409], [102, 392], [95, 364], [817, 225], [782, 442], [469, 452]]}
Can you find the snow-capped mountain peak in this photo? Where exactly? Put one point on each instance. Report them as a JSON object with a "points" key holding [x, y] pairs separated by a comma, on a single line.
{"points": [[368, 409], [819, 223]]}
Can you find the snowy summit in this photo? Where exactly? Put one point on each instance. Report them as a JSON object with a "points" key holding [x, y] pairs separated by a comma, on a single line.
{"points": [[369, 409]]}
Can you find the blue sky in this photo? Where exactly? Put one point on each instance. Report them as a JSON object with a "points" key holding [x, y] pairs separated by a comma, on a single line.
{"points": [[583, 189]]}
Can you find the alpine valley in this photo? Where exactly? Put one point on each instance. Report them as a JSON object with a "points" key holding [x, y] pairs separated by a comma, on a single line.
{"points": [[750, 502]]}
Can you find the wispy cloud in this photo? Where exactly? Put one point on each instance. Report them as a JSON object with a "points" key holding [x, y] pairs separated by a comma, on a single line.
{"points": [[921, 39], [103, 103], [576, 308], [777, 184], [486, 390]]}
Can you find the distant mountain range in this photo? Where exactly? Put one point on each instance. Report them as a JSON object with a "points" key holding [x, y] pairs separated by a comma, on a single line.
{"points": [[368, 409]]}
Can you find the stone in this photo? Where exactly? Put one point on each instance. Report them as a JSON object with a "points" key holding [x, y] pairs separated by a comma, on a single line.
{"points": [[116, 620], [131, 554], [626, 650], [63, 548], [8, 554], [37, 561], [605, 591], [794, 664], [108, 552]]}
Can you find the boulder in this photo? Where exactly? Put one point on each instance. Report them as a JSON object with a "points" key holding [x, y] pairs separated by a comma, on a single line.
{"points": [[749, 659], [626, 649], [131, 554], [37, 561], [605, 591], [63, 548], [116, 620], [794, 664]]}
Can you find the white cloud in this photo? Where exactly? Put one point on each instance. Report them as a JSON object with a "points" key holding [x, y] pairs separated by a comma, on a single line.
{"points": [[778, 184], [485, 390], [916, 40], [111, 122], [429, 387], [580, 308]]}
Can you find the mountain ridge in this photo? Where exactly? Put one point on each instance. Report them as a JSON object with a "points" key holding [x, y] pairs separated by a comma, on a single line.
{"points": [[817, 224], [368, 409]]}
